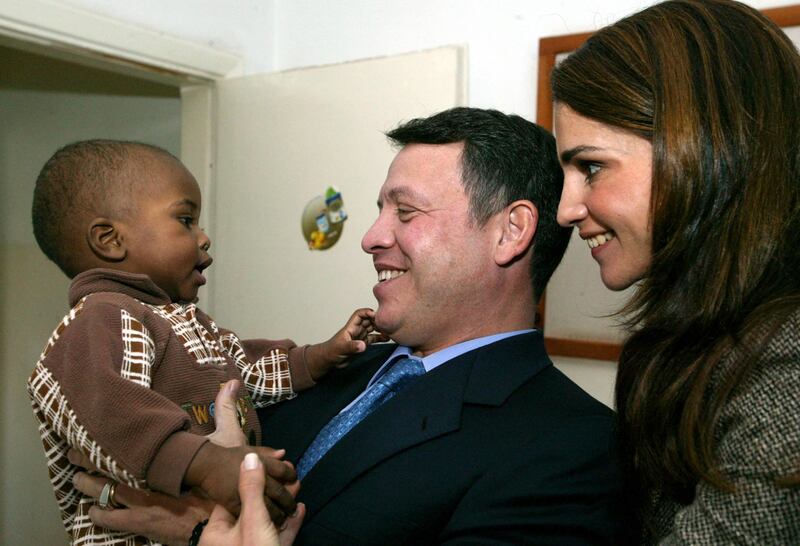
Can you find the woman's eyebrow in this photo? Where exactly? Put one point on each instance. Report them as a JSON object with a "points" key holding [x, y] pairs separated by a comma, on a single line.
{"points": [[567, 155]]}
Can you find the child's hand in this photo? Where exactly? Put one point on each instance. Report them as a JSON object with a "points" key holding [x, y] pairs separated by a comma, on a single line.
{"points": [[350, 340], [215, 470]]}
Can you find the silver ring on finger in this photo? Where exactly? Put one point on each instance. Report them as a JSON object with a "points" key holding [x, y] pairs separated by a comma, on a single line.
{"points": [[106, 500]]}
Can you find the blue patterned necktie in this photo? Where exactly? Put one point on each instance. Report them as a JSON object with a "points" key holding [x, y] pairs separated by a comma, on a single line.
{"points": [[397, 376]]}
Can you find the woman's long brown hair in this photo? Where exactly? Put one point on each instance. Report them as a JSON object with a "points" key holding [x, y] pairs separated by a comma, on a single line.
{"points": [[715, 87]]}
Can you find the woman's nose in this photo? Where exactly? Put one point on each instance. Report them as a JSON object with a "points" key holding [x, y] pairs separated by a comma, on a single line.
{"points": [[571, 208]]}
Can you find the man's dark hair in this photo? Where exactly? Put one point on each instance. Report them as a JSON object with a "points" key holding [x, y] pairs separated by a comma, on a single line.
{"points": [[81, 179], [505, 158]]}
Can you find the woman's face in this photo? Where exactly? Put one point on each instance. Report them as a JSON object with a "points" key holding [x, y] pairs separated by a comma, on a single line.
{"points": [[607, 178]]}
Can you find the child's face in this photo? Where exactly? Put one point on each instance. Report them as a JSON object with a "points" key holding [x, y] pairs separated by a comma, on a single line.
{"points": [[162, 236]]}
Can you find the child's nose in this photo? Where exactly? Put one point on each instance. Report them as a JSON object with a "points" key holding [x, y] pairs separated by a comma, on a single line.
{"points": [[205, 242]]}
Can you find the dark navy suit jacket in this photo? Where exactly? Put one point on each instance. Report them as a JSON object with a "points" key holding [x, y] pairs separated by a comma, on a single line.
{"points": [[493, 447]]}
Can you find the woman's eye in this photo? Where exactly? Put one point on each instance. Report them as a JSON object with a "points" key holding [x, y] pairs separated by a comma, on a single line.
{"points": [[591, 169]]}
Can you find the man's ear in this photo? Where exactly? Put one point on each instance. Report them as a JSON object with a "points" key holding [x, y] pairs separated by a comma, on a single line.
{"points": [[105, 240], [517, 228]]}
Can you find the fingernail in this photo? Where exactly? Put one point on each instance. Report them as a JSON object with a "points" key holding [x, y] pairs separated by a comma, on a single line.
{"points": [[231, 388], [251, 461]]}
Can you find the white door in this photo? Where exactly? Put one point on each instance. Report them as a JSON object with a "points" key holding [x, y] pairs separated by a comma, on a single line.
{"points": [[282, 139]]}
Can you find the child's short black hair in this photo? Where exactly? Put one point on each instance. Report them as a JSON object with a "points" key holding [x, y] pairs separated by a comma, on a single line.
{"points": [[80, 181]]}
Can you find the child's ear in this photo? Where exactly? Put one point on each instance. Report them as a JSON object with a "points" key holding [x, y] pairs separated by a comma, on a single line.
{"points": [[105, 240], [517, 227]]}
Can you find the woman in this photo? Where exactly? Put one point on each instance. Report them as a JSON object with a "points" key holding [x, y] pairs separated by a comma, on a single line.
{"points": [[678, 132]]}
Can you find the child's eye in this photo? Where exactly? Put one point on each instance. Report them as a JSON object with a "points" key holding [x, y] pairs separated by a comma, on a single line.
{"points": [[186, 220]]}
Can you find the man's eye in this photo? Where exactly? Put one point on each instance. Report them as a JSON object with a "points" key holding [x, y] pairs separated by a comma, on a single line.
{"points": [[404, 213]]}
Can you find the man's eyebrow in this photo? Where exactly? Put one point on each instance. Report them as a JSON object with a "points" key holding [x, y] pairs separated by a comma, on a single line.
{"points": [[404, 192], [567, 155]]}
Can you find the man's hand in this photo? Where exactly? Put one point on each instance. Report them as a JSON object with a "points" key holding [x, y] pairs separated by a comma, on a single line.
{"points": [[353, 338], [253, 528]]}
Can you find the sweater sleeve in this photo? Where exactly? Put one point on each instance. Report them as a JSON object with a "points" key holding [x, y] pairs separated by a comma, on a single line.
{"points": [[272, 370], [91, 390], [757, 444]]}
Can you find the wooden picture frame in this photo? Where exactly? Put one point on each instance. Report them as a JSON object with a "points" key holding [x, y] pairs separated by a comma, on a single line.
{"points": [[549, 49]]}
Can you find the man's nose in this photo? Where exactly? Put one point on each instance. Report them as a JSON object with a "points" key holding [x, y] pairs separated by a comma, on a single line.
{"points": [[377, 236]]}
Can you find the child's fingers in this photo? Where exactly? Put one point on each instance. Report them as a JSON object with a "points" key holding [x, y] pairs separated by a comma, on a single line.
{"points": [[293, 488], [361, 315], [274, 453], [376, 337], [283, 471]]}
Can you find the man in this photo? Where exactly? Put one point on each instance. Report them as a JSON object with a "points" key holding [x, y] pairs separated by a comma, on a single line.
{"points": [[491, 444]]}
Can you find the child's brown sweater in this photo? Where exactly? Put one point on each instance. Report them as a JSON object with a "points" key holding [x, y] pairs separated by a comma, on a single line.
{"points": [[129, 379]]}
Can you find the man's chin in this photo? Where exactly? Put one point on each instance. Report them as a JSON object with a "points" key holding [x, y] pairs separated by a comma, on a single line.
{"points": [[384, 324]]}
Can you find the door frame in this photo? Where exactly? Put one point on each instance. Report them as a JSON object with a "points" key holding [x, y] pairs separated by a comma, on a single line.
{"points": [[87, 38], [100, 42]]}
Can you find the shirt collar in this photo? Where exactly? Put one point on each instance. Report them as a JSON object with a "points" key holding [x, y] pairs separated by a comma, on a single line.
{"points": [[449, 353]]}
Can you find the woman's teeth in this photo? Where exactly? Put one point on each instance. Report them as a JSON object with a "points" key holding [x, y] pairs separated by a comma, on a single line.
{"points": [[598, 240]]}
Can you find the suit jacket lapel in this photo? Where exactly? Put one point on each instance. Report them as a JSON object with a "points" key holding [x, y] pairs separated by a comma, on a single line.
{"points": [[427, 409]]}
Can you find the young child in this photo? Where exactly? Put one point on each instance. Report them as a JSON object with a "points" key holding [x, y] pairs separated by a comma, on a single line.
{"points": [[130, 375]]}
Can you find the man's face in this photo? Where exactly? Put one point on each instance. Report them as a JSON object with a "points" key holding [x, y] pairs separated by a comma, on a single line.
{"points": [[162, 236], [430, 257]]}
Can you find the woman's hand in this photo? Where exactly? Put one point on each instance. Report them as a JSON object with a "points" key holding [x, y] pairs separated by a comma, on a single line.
{"points": [[254, 527]]}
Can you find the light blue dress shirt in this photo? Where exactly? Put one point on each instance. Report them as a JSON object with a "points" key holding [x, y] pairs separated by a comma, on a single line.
{"points": [[439, 357]]}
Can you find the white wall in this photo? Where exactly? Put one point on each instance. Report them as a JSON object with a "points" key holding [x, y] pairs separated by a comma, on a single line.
{"points": [[501, 35]]}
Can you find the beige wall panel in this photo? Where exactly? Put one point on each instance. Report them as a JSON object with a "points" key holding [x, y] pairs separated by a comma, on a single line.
{"points": [[43, 107], [578, 305], [282, 139], [594, 376]]}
